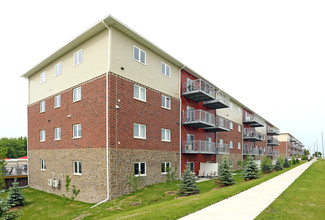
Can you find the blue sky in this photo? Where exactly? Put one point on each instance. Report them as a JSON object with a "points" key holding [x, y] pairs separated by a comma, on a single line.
{"points": [[267, 54]]}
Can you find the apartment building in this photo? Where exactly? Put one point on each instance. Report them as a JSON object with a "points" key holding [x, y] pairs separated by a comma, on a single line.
{"points": [[290, 146], [110, 104]]}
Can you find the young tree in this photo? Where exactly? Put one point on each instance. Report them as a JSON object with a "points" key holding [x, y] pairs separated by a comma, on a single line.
{"points": [[250, 170], [3, 153], [293, 160], [286, 163], [15, 196], [188, 184], [266, 165], [225, 173], [75, 192], [278, 165]]}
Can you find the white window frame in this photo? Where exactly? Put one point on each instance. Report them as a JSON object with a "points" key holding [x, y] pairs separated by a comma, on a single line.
{"points": [[231, 106], [231, 145], [166, 102], [43, 77], [58, 68], [164, 167], [231, 125], [57, 133], [77, 168], [42, 106], [139, 169], [42, 135], [188, 163], [239, 110], [141, 91], [239, 128], [164, 68], [57, 101], [76, 94], [78, 134], [140, 134], [239, 145], [43, 165], [165, 135], [77, 57], [141, 52]]}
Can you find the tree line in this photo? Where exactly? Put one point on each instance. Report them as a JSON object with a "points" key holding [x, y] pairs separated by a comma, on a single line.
{"points": [[16, 147]]}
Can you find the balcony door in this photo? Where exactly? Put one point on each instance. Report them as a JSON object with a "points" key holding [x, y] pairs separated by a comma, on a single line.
{"points": [[189, 85], [189, 113], [208, 145], [190, 138]]}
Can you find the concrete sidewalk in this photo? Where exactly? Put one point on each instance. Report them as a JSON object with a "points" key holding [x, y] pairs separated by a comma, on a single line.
{"points": [[250, 203]]}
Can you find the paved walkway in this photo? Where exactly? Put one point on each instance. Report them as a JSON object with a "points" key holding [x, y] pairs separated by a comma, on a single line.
{"points": [[250, 203]]}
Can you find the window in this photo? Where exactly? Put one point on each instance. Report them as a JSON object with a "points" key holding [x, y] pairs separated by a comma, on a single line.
{"points": [[43, 166], [139, 93], [139, 55], [58, 68], [139, 169], [165, 102], [231, 125], [42, 136], [231, 106], [239, 128], [57, 133], [165, 134], [165, 69], [231, 144], [164, 167], [238, 145], [43, 77], [139, 131], [231, 163], [190, 165], [77, 131], [42, 107], [57, 101], [77, 167], [239, 110], [77, 94], [77, 57], [221, 141]]}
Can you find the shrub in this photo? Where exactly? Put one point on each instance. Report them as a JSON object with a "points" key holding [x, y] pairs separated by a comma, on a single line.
{"points": [[5, 213], [266, 165], [293, 160], [286, 163], [297, 160], [225, 173], [250, 170], [188, 184], [171, 175], [278, 164], [15, 196], [304, 157], [135, 181]]}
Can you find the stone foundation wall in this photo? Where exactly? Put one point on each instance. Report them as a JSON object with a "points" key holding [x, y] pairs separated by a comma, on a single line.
{"points": [[59, 163]]}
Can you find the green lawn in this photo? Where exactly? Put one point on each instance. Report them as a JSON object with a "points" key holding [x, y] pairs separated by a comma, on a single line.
{"points": [[157, 201], [304, 199]]}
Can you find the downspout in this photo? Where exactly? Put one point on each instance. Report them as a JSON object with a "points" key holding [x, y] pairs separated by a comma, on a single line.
{"points": [[107, 107], [27, 134], [180, 121]]}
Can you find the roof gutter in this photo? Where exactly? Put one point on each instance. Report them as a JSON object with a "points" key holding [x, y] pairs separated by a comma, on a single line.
{"points": [[107, 116]]}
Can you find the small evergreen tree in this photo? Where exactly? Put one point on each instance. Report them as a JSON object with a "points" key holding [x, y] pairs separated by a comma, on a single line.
{"points": [[293, 160], [297, 160], [250, 170], [286, 163], [278, 164], [225, 173], [15, 196], [188, 186], [266, 165], [5, 213]]}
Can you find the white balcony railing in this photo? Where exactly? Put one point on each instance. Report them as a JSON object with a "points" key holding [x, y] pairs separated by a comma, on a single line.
{"points": [[199, 147], [198, 118], [251, 151], [198, 90], [223, 148], [254, 120], [253, 135]]}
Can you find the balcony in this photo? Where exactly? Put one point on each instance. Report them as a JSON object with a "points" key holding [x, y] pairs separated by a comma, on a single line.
{"points": [[273, 153], [261, 152], [221, 101], [221, 124], [199, 147], [252, 135], [293, 140], [198, 90], [198, 119], [251, 151], [273, 142], [253, 120], [223, 148], [272, 130]]}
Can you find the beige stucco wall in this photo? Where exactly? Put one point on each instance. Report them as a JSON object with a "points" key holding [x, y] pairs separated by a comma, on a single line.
{"points": [[283, 137], [149, 74], [232, 114], [95, 63]]}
